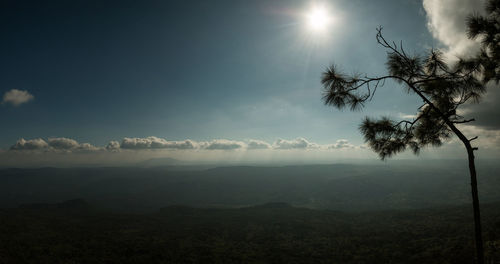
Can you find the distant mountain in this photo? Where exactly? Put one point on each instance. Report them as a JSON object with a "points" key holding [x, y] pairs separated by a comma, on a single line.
{"points": [[158, 162], [73, 204], [275, 205], [344, 187]]}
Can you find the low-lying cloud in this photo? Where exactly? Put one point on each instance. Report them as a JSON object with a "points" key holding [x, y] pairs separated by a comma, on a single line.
{"points": [[32, 144], [69, 152], [258, 144], [223, 144], [113, 146], [156, 143], [152, 143], [53, 144], [342, 144], [298, 143]]}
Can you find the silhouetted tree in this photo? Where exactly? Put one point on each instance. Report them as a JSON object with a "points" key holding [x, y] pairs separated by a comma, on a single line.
{"points": [[487, 28], [443, 89]]}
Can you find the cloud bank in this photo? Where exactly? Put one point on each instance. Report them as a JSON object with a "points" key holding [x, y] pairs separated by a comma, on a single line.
{"points": [[298, 143], [342, 144], [152, 143], [129, 151], [156, 143], [17, 97], [258, 144], [223, 144], [53, 145]]}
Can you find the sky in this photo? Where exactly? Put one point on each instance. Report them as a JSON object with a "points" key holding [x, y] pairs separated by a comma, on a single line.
{"points": [[108, 82]]}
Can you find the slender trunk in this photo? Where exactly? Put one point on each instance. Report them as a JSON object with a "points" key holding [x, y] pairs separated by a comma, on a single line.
{"points": [[475, 195], [475, 205]]}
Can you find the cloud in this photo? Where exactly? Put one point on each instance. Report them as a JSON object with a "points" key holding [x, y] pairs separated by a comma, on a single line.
{"points": [[113, 146], [63, 143], [53, 145], [298, 143], [160, 143], [153, 143], [140, 143], [87, 147], [407, 116], [341, 144], [487, 111], [446, 21], [220, 144], [68, 145], [32, 144], [448, 25], [223, 144], [17, 97], [258, 144], [186, 144]]}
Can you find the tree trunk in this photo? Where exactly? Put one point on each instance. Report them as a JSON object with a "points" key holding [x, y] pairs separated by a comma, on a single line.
{"points": [[475, 195], [472, 170], [473, 183], [475, 204]]}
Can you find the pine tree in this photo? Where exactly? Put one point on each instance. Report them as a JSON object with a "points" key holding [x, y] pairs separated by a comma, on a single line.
{"points": [[487, 29], [443, 88]]}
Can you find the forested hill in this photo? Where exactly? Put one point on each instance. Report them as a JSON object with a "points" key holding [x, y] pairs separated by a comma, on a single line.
{"points": [[77, 232], [339, 187]]}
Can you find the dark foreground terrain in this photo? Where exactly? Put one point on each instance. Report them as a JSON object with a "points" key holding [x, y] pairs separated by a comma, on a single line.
{"points": [[76, 232]]}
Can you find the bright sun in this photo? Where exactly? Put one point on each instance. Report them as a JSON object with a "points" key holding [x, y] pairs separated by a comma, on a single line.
{"points": [[318, 19]]}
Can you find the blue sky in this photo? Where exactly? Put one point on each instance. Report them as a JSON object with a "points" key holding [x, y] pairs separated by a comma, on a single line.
{"points": [[200, 70]]}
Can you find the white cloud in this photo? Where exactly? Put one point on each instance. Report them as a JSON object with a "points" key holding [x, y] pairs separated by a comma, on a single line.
{"points": [[17, 97], [153, 143], [407, 116], [63, 143], [364, 146], [186, 144], [140, 143], [298, 143], [223, 144], [32, 144], [67, 145], [87, 147], [59, 151], [258, 144], [446, 20], [448, 25], [113, 146], [341, 144], [53, 145]]}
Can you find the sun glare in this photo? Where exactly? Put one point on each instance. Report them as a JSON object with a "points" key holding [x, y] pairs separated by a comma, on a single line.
{"points": [[318, 19]]}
